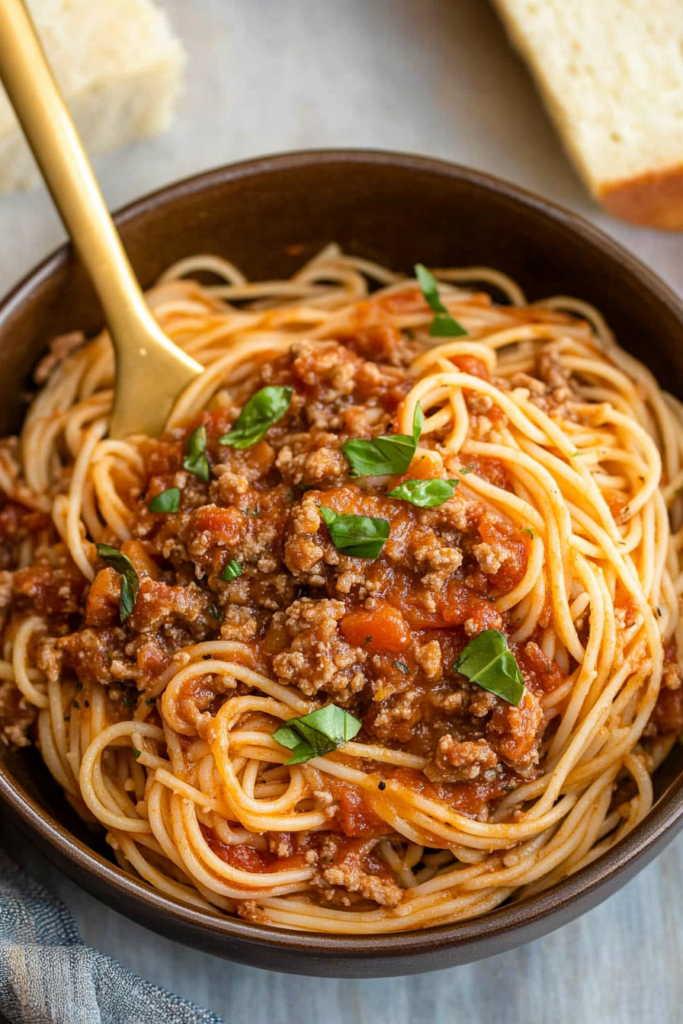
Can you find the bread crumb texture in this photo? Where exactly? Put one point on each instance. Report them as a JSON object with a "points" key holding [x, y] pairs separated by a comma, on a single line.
{"points": [[119, 66], [611, 75]]}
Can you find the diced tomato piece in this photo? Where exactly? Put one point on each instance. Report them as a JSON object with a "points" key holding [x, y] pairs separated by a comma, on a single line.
{"points": [[421, 468], [225, 525], [457, 604], [102, 605], [380, 630], [470, 364]]}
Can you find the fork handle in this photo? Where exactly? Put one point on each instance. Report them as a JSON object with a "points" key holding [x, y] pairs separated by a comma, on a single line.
{"points": [[58, 150], [150, 370]]}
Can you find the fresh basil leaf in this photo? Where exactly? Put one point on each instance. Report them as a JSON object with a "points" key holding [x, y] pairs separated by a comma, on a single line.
{"points": [[232, 570], [425, 493], [167, 501], [488, 661], [389, 454], [443, 324], [319, 733], [130, 584], [356, 536], [418, 422], [263, 409], [196, 460]]}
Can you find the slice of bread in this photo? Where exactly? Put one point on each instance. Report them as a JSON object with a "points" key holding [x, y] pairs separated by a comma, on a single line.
{"points": [[119, 67], [611, 75]]}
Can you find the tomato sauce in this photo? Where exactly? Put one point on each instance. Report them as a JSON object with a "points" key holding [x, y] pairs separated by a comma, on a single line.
{"points": [[246, 858], [356, 816], [471, 365], [469, 798]]}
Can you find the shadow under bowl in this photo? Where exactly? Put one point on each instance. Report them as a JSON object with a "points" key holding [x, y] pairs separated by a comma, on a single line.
{"points": [[268, 216]]}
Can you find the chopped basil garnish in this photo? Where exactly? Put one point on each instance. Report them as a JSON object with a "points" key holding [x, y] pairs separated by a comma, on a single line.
{"points": [[425, 493], [402, 667], [527, 529], [130, 584], [488, 661], [213, 612], [136, 752], [316, 734], [196, 460], [465, 470], [356, 536], [391, 453], [443, 324], [232, 570], [263, 409], [167, 501]]}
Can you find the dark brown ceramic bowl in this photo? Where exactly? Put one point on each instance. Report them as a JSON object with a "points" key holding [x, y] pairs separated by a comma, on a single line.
{"points": [[268, 215]]}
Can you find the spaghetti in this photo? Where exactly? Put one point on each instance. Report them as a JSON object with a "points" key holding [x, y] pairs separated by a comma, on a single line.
{"points": [[168, 605]]}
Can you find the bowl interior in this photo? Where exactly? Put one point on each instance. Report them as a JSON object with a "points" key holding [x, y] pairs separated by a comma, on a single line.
{"points": [[268, 217]]}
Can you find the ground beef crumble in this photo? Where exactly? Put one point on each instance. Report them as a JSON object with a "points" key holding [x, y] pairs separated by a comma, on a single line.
{"points": [[16, 716], [317, 658], [347, 869]]}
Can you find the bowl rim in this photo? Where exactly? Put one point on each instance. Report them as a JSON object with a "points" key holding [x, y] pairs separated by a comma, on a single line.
{"points": [[661, 823]]}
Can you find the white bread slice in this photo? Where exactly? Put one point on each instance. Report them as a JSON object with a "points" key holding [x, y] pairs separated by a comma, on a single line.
{"points": [[611, 75], [120, 69]]}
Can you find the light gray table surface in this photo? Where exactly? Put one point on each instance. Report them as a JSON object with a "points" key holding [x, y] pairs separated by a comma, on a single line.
{"points": [[435, 77]]}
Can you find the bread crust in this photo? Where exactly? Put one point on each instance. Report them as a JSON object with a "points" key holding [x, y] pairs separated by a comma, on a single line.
{"points": [[653, 199]]}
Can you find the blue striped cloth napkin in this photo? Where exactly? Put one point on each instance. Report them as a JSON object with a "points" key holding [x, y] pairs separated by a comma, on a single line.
{"points": [[48, 976]]}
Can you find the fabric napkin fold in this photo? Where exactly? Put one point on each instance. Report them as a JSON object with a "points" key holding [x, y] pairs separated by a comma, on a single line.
{"points": [[48, 976]]}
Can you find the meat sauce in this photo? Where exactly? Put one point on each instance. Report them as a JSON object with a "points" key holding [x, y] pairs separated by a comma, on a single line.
{"points": [[470, 798], [354, 813], [378, 637], [246, 858], [667, 716]]}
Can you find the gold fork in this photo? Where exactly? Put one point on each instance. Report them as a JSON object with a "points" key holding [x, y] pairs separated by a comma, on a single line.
{"points": [[150, 370]]}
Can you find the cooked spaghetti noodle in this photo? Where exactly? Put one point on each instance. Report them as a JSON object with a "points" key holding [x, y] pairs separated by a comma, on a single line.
{"points": [[561, 531]]}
